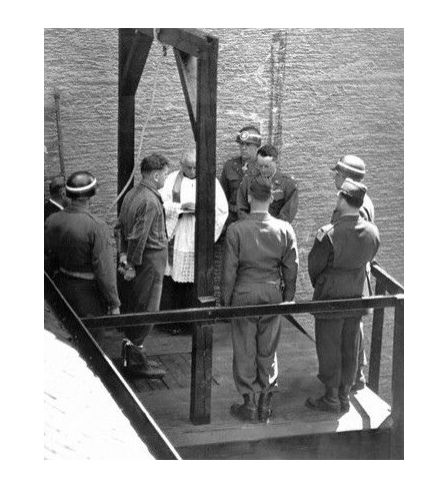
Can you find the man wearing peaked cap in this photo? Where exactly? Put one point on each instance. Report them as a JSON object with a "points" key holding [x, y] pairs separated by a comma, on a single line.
{"points": [[353, 167], [78, 246], [337, 269], [260, 252], [249, 140], [285, 200]]}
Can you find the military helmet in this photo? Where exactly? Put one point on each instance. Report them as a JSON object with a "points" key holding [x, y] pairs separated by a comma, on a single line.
{"points": [[249, 135], [80, 184], [352, 166]]}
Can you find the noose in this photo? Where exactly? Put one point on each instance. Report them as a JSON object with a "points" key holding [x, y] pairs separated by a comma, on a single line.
{"points": [[142, 135]]}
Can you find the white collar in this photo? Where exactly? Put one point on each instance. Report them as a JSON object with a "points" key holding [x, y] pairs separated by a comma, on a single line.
{"points": [[57, 204]]}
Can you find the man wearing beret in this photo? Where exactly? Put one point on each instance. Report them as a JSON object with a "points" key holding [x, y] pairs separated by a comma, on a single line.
{"points": [[285, 198], [260, 254], [337, 269], [249, 140], [353, 167]]}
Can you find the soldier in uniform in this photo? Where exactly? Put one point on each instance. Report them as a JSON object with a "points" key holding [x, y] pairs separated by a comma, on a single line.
{"points": [[337, 269], [353, 167], [143, 257], [260, 255], [57, 200], [77, 246], [285, 198], [249, 140]]}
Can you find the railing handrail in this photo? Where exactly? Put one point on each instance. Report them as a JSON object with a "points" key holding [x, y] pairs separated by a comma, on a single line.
{"points": [[209, 314], [146, 427], [391, 284]]}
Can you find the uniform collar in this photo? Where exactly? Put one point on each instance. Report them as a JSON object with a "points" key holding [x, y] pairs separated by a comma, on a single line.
{"points": [[150, 187], [259, 216], [74, 206]]}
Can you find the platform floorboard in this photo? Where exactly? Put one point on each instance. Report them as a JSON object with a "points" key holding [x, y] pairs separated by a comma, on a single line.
{"points": [[168, 401]]}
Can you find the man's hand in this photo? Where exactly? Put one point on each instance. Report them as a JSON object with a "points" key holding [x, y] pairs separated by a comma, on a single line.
{"points": [[113, 311], [188, 207], [129, 273], [125, 268]]}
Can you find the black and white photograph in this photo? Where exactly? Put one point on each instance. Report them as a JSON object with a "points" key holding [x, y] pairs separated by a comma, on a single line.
{"points": [[224, 243], [223, 246]]}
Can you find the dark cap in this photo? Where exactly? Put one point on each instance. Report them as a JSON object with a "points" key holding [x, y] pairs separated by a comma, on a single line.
{"points": [[260, 188], [56, 183], [354, 190], [352, 166], [249, 135]]}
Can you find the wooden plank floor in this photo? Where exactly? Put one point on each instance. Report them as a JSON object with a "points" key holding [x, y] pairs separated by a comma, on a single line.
{"points": [[168, 400]]}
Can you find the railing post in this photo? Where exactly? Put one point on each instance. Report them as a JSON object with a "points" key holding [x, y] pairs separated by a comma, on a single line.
{"points": [[201, 368], [377, 339], [397, 433]]}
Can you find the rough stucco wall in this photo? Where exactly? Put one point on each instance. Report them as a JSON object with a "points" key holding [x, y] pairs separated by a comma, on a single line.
{"points": [[342, 93]]}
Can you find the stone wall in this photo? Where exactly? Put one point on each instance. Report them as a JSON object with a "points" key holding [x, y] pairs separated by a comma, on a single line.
{"points": [[320, 93]]}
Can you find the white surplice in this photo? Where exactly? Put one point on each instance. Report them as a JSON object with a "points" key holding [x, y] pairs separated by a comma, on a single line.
{"points": [[183, 229]]}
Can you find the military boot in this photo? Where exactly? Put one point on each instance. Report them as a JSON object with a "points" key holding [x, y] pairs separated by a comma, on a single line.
{"points": [[326, 403], [135, 363], [247, 412], [344, 392], [264, 407]]}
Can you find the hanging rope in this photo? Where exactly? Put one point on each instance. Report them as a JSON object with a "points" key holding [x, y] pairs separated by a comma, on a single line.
{"points": [[142, 135]]}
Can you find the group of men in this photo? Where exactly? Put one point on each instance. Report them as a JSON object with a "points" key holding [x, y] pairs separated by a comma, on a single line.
{"points": [[254, 207]]}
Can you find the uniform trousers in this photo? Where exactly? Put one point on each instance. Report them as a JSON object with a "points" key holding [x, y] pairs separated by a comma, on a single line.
{"points": [[143, 293], [337, 343], [255, 341], [84, 297]]}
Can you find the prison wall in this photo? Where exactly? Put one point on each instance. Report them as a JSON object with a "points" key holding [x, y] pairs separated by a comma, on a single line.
{"points": [[317, 93]]}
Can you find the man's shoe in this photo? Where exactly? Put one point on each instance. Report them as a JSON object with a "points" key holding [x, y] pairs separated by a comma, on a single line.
{"points": [[247, 412], [264, 407], [326, 403], [344, 392], [135, 363], [358, 385]]}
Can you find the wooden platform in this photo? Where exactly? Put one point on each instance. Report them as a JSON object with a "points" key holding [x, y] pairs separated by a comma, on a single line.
{"points": [[294, 432]]}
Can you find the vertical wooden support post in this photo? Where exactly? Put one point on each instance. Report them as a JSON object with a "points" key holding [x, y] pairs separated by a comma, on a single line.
{"points": [[201, 359], [377, 340], [397, 434], [126, 114]]}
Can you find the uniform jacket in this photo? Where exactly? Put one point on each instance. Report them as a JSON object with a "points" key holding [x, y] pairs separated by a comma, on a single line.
{"points": [[259, 250], [78, 241], [337, 261], [231, 177], [284, 192], [142, 223]]}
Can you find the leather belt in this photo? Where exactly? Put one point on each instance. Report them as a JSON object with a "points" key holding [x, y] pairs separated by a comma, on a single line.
{"points": [[78, 274]]}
